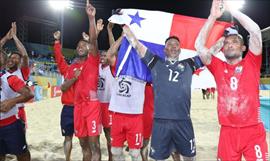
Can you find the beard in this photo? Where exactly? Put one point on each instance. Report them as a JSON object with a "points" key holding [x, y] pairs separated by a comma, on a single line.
{"points": [[12, 66], [233, 56]]}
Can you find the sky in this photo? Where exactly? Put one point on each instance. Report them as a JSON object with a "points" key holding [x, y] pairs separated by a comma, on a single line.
{"points": [[75, 21]]}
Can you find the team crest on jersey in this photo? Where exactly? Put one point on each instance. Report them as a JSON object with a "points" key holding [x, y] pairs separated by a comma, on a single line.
{"points": [[181, 67], [152, 150], [238, 69], [101, 82], [124, 88]]}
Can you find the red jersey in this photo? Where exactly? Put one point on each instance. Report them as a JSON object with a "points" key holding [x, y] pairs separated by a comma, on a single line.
{"points": [[86, 88], [67, 71], [60, 60], [68, 96], [238, 90]]}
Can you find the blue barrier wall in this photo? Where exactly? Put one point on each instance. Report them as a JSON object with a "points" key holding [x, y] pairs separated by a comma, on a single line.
{"points": [[264, 86], [265, 111], [38, 93]]}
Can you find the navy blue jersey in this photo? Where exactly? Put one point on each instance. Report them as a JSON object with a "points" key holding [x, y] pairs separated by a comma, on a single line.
{"points": [[172, 86]]}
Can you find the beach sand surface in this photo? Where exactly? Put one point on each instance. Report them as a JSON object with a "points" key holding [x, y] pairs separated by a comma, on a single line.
{"points": [[46, 142]]}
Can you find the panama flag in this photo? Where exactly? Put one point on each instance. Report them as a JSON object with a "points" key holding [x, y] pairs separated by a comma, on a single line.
{"points": [[152, 28]]}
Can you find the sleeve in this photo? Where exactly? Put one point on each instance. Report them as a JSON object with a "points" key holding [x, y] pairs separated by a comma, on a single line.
{"points": [[59, 58], [256, 60], [25, 72], [214, 65], [15, 83], [70, 72], [194, 63], [150, 59]]}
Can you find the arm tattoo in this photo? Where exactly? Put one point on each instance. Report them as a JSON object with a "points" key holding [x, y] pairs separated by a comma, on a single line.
{"points": [[217, 47]]}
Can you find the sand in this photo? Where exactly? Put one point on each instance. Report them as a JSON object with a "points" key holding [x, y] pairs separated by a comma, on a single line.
{"points": [[45, 139]]}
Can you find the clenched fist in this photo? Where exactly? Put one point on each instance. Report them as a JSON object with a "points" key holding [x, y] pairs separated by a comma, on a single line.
{"points": [[57, 35]]}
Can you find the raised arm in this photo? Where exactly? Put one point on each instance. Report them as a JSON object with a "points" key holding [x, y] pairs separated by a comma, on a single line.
{"points": [[7, 37], [100, 26], [58, 55], [110, 33], [200, 43], [134, 42], [113, 50], [20, 46], [91, 12], [255, 41], [115, 46], [217, 46]]}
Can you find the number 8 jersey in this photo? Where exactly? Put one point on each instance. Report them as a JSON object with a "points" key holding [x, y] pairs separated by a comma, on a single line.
{"points": [[238, 90]]}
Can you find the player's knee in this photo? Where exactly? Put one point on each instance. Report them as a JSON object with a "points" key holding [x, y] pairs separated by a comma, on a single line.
{"points": [[175, 156], [144, 149], [145, 143], [107, 132], [68, 138], [84, 143], [135, 153], [67, 144]]}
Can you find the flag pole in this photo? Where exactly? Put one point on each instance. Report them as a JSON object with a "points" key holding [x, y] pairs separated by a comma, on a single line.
{"points": [[123, 61]]}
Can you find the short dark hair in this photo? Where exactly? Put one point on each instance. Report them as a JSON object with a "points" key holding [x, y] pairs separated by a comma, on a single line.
{"points": [[172, 37]]}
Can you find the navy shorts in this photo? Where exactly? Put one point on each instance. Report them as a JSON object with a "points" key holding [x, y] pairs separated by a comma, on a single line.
{"points": [[67, 120], [12, 139], [172, 136]]}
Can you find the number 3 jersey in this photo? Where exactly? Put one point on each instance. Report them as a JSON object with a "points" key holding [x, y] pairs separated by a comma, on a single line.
{"points": [[238, 90]]}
